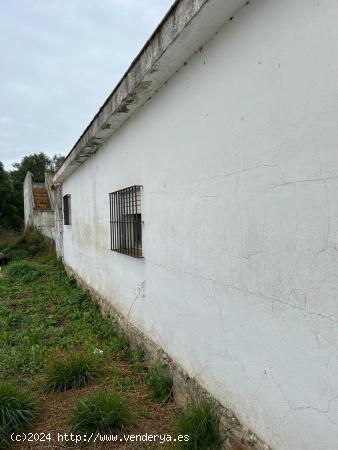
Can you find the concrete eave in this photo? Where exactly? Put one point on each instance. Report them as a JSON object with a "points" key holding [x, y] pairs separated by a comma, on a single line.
{"points": [[184, 29]]}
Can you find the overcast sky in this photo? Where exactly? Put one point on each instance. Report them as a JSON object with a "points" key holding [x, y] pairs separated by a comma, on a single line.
{"points": [[60, 59]]}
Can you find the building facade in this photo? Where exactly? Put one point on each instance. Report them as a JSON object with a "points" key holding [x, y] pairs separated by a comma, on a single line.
{"points": [[201, 202], [39, 205]]}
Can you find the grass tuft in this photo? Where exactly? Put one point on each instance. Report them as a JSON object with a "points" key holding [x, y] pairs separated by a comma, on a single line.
{"points": [[17, 411], [200, 422], [23, 271], [122, 379], [75, 371], [136, 357], [101, 412], [160, 383], [119, 345]]}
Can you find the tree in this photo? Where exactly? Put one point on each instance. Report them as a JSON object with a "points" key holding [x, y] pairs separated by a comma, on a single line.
{"points": [[37, 163], [56, 162], [11, 185], [10, 213]]}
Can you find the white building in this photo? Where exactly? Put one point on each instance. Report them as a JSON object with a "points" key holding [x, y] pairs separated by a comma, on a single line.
{"points": [[39, 204], [226, 127]]}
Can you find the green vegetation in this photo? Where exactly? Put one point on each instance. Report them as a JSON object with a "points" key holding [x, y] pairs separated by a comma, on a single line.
{"points": [[23, 272], [17, 411], [11, 209], [201, 423], [43, 313], [159, 383], [53, 338], [123, 380], [136, 357], [73, 371], [119, 345], [11, 186], [101, 412], [27, 245]]}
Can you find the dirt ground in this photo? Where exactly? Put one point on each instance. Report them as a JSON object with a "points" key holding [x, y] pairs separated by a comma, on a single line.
{"points": [[150, 417]]}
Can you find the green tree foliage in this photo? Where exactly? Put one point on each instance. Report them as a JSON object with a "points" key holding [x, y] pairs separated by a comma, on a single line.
{"points": [[56, 162], [11, 185], [10, 215], [38, 164]]}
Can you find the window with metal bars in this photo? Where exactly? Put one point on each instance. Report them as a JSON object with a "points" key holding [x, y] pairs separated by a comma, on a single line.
{"points": [[66, 209], [126, 221]]}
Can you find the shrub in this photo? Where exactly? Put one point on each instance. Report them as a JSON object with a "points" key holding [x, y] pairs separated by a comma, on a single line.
{"points": [[30, 243], [160, 384], [101, 412], [17, 411], [7, 237], [24, 271], [200, 422], [74, 371]]}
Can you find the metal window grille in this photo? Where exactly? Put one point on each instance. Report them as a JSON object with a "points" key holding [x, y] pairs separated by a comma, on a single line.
{"points": [[126, 221], [66, 209]]}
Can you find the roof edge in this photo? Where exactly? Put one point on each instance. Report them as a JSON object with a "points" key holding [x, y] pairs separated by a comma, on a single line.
{"points": [[187, 25]]}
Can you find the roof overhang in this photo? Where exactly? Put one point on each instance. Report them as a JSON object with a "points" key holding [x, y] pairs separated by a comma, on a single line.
{"points": [[185, 28]]}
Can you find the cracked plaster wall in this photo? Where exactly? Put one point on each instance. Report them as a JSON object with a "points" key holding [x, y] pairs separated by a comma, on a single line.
{"points": [[238, 158]]}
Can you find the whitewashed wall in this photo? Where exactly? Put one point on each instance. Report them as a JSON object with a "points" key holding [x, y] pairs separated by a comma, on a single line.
{"points": [[238, 156], [42, 220], [28, 199]]}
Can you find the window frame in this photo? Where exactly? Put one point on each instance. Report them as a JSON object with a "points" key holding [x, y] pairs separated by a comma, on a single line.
{"points": [[126, 225], [66, 203]]}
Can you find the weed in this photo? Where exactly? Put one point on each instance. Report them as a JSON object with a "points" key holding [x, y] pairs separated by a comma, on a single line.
{"points": [[160, 384], [75, 371], [23, 271], [101, 412], [200, 422], [17, 411], [107, 329], [7, 237], [48, 316], [119, 344], [121, 379], [53, 316], [11, 318], [29, 244], [136, 357]]}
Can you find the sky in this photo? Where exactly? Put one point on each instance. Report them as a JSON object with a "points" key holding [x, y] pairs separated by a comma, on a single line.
{"points": [[60, 59]]}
